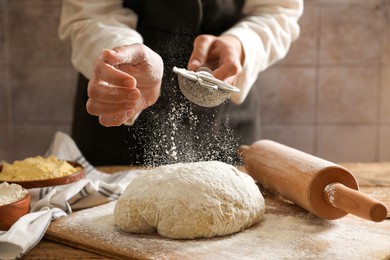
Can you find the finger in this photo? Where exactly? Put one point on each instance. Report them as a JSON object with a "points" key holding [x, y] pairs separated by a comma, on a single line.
{"points": [[108, 73], [104, 92], [226, 70], [199, 55], [124, 54], [97, 108], [231, 80], [229, 63], [116, 119]]}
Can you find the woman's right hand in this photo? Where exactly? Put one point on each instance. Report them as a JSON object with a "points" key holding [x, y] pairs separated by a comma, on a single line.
{"points": [[125, 81]]}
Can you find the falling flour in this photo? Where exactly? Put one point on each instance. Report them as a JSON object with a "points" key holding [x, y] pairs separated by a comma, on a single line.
{"points": [[177, 132]]}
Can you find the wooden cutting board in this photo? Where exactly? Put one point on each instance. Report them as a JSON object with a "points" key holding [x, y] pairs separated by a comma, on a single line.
{"points": [[286, 231]]}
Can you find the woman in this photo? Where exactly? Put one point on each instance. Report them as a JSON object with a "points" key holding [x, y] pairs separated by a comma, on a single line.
{"points": [[129, 109]]}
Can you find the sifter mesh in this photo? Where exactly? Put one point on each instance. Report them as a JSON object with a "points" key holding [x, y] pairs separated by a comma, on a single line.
{"points": [[202, 88]]}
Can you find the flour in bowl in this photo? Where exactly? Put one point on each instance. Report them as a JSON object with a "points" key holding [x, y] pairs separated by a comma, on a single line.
{"points": [[36, 168], [10, 193]]}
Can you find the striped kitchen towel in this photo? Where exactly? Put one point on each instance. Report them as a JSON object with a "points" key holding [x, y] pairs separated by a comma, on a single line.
{"points": [[50, 203]]}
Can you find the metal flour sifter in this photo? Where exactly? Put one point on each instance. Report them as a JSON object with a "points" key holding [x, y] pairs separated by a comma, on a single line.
{"points": [[202, 88]]}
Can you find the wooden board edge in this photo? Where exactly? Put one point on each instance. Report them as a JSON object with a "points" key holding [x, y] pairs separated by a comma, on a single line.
{"points": [[87, 247]]}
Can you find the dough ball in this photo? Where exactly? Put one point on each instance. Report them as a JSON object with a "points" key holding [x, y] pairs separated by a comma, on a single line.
{"points": [[190, 200]]}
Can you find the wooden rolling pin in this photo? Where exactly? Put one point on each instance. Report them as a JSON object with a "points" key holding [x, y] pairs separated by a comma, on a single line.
{"points": [[321, 187]]}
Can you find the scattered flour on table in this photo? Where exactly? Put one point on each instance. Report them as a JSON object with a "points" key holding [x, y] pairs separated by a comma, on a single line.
{"points": [[330, 190], [301, 236]]}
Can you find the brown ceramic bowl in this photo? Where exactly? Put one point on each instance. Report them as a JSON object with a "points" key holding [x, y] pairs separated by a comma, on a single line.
{"points": [[10, 213], [54, 181]]}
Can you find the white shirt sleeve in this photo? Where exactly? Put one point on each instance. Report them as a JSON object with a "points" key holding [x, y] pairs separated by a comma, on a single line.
{"points": [[266, 33], [92, 26]]}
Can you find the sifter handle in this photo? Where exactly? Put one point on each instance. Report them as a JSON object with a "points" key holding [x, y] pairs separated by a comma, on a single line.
{"points": [[355, 202]]}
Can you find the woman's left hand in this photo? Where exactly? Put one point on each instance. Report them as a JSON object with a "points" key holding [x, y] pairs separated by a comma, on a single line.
{"points": [[224, 55]]}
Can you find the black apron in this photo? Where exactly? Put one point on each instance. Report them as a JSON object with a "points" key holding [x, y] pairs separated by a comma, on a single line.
{"points": [[173, 129]]}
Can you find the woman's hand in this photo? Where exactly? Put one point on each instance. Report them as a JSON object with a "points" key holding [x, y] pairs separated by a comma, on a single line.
{"points": [[125, 81], [224, 55]]}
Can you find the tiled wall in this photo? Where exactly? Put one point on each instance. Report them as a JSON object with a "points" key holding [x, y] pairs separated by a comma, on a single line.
{"points": [[37, 80], [329, 97]]}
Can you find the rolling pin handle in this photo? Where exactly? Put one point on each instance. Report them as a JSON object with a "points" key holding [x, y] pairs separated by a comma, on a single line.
{"points": [[241, 149], [355, 202]]}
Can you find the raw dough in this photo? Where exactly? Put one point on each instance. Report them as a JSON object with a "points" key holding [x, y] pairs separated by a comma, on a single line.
{"points": [[192, 200]]}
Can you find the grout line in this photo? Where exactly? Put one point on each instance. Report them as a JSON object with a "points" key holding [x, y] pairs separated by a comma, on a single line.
{"points": [[37, 123], [332, 65], [11, 131], [325, 123], [379, 88], [35, 64], [378, 121], [338, 3], [317, 83]]}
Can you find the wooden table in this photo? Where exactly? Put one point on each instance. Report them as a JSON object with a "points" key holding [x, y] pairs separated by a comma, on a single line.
{"points": [[374, 179]]}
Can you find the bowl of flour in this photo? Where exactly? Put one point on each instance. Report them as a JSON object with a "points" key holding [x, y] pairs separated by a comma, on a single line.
{"points": [[38, 172], [14, 203]]}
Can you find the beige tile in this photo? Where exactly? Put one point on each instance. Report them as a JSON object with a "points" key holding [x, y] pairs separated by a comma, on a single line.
{"points": [[385, 95], [310, 2], [384, 143], [32, 3], [73, 75], [351, 34], [348, 94], [386, 32], [295, 136], [303, 50], [326, 3], [287, 94], [42, 94], [354, 143], [3, 96], [33, 36], [4, 143], [33, 140], [2, 37], [349, 2]]}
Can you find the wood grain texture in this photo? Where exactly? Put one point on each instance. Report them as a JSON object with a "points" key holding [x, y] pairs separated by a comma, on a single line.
{"points": [[298, 176], [47, 249], [355, 202], [373, 179], [286, 231]]}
